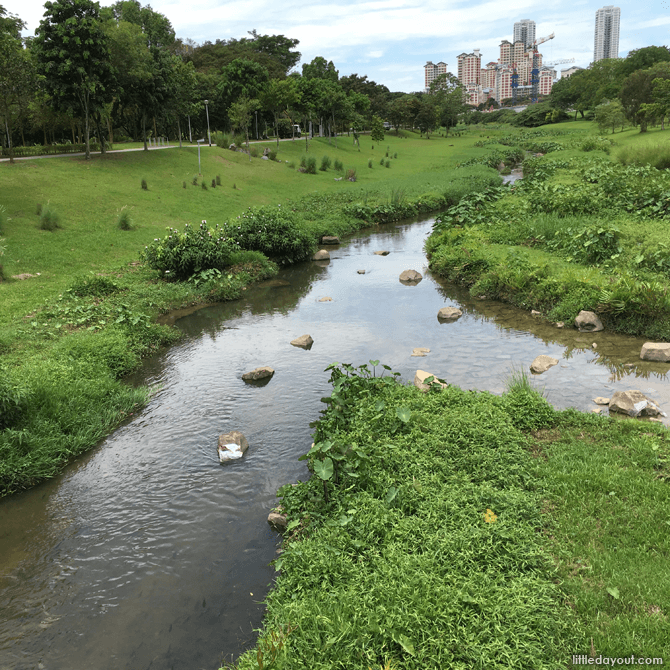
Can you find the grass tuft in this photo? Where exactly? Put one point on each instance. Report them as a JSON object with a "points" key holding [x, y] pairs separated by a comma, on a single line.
{"points": [[49, 219]]}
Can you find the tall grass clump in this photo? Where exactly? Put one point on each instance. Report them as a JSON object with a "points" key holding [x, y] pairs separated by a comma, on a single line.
{"points": [[145, 186], [223, 140], [337, 165], [369, 162], [49, 219], [38, 208], [325, 163], [124, 222], [351, 174], [656, 155], [310, 166]]}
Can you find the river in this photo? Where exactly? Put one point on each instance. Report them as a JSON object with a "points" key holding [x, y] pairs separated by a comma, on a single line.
{"points": [[147, 553]]}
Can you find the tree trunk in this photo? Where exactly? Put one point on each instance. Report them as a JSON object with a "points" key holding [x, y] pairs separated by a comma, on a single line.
{"points": [[110, 130], [87, 124], [144, 129], [155, 131], [101, 139], [179, 130], [9, 140]]}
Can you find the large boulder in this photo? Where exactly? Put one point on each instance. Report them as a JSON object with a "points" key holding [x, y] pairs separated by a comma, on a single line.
{"points": [[655, 351], [588, 322], [410, 277], [256, 374], [321, 255], [449, 314], [231, 446], [330, 239], [634, 403], [420, 380], [304, 341], [542, 363]]}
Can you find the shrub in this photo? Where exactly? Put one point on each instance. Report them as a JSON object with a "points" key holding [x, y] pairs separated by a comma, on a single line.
{"points": [[351, 174], [218, 180], [184, 184], [145, 187], [49, 219], [203, 185], [274, 231], [38, 209], [194, 181], [381, 162], [272, 155], [310, 168], [325, 163], [370, 162], [179, 255], [124, 221], [239, 141], [223, 140], [337, 165], [234, 186], [395, 155], [213, 183], [291, 165], [388, 164], [303, 161], [254, 152]]}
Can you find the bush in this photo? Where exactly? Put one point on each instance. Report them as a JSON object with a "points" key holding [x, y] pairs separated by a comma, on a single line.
{"points": [[223, 140], [272, 155], [179, 255], [381, 162], [274, 231], [325, 163], [370, 162], [395, 155], [124, 221], [351, 174], [254, 152], [213, 183], [218, 180], [38, 209], [203, 185], [284, 129], [92, 285], [145, 187], [303, 162], [388, 164], [291, 165], [310, 167], [184, 184], [239, 141], [194, 181], [49, 219], [337, 165]]}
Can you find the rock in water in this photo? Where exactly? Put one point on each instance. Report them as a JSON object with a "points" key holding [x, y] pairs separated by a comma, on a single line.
{"points": [[231, 446], [588, 322], [420, 351], [449, 314], [655, 351], [330, 239], [277, 521], [410, 277], [304, 341], [634, 403], [326, 299], [420, 380], [321, 255], [542, 364], [258, 373], [601, 401], [361, 272], [382, 253]]}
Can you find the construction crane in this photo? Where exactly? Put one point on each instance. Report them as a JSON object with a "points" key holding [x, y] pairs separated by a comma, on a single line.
{"points": [[561, 61], [535, 72]]}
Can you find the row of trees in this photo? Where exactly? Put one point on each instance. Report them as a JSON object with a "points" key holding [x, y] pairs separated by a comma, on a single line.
{"points": [[634, 89], [121, 71]]}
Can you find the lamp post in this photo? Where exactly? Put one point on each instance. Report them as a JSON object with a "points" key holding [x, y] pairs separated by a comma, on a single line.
{"points": [[209, 136], [256, 113], [199, 142]]}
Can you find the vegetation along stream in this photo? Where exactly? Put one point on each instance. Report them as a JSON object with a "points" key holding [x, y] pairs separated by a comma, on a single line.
{"points": [[147, 553]]}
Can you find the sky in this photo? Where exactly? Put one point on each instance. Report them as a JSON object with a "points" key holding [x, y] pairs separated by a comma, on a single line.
{"points": [[391, 41]]}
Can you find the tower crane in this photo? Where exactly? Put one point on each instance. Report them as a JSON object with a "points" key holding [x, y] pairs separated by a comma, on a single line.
{"points": [[535, 72], [561, 61]]}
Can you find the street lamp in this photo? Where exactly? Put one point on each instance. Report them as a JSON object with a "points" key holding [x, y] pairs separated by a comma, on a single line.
{"points": [[199, 142], [209, 135]]}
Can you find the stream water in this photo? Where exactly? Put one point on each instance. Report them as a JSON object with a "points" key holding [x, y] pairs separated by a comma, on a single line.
{"points": [[147, 553]]}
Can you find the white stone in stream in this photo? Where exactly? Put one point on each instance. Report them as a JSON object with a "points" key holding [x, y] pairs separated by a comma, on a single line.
{"points": [[542, 364], [382, 253], [231, 446], [420, 351], [534, 312], [634, 403], [420, 380], [655, 351], [588, 322], [304, 341], [321, 255], [277, 521], [560, 324], [449, 314], [361, 272], [601, 401], [258, 373], [330, 239], [326, 299], [410, 277]]}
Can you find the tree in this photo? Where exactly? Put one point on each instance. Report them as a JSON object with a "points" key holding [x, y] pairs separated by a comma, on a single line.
{"points": [[449, 97], [242, 79], [73, 55], [377, 129], [320, 69], [638, 89], [240, 113], [279, 98], [609, 115], [428, 116]]}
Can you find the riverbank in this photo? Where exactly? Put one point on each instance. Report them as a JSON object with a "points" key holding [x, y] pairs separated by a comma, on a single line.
{"points": [[581, 231], [84, 314], [461, 529]]}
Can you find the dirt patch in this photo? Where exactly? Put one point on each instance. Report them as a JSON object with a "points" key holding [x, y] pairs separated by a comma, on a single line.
{"points": [[25, 275], [221, 159]]}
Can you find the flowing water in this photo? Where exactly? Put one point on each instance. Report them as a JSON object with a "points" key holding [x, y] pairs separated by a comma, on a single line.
{"points": [[147, 553]]}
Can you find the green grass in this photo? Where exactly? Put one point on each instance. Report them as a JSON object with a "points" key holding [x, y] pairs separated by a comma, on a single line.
{"points": [[467, 530]]}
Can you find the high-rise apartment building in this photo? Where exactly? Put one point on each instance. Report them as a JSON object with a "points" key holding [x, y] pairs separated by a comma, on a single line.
{"points": [[524, 31], [469, 67], [606, 41], [433, 71]]}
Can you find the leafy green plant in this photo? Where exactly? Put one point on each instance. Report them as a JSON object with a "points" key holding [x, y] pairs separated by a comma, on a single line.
{"points": [[351, 174], [370, 162], [12, 400], [145, 186], [218, 180], [310, 165], [38, 208], [337, 165], [184, 184], [203, 185], [194, 181], [213, 183], [325, 163], [381, 161], [49, 219], [388, 164], [96, 286], [254, 152]]}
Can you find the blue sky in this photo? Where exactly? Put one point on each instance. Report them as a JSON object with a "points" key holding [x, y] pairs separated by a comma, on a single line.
{"points": [[391, 41]]}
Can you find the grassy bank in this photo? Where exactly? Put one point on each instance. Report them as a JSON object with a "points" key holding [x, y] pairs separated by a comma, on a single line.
{"points": [[464, 530], [582, 231], [87, 315]]}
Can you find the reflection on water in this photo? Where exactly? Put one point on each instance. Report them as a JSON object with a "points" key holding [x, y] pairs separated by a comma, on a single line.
{"points": [[148, 553]]}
